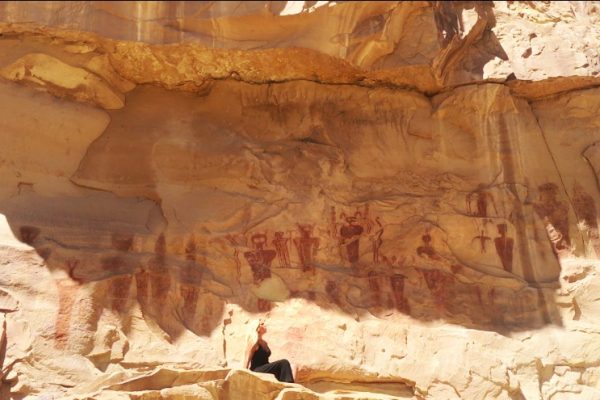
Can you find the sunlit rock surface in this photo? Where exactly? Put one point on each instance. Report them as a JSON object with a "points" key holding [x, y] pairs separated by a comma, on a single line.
{"points": [[407, 191]]}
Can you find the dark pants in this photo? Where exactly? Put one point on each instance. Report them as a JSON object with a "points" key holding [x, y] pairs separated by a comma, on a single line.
{"points": [[281, 369]]}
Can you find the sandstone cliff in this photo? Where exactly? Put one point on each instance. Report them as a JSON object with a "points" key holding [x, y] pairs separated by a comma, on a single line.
{"points": [[408, 191]]}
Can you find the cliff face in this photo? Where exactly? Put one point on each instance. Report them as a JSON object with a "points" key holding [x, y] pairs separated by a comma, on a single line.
{"points": [[408, 191]]}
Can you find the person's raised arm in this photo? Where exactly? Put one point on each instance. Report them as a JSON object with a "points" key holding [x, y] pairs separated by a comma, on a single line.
{"points": [[249, 354]]}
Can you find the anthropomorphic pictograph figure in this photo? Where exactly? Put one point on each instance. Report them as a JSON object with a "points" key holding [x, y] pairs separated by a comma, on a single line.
{"points": [[482, 239], [281, 247], [556, 212], [397, 281], [377, 240], [350, 234], [479, 200], [504, 247], [307, 246], [426, 249], [260, 258]]}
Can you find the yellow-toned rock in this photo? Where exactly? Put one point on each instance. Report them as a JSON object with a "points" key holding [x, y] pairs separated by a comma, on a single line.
{"points": [[62, 80]]}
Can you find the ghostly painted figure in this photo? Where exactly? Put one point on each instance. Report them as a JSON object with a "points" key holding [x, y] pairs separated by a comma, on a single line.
{"points": [[426, 249], [375, 288], [237, 241], [557, 240], [307, 246], [504, 247], [281, 247], [481, 198], [555, 211], [482, 239], [585, 209], [333, 292], [438, 283], [350, 233], [397, 282], [260, 259], [377, 240]]}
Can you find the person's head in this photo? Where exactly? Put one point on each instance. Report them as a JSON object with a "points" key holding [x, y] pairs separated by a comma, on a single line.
{"points": [[261, 327], [255, 330]]}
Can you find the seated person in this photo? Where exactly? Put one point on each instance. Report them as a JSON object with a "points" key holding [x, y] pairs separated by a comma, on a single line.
{"points": [[257, 357]]}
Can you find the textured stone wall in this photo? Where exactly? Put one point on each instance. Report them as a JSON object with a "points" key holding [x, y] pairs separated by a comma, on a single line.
{"points": [[408, 192]]}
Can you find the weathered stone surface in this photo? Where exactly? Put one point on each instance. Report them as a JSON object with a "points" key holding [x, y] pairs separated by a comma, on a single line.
{"points": [[408, 192], [61, 80], [235, 384]]}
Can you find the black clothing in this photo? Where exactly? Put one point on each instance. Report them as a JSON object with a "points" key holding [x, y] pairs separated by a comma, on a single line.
{"points": [[260, 357], [281, 368]]}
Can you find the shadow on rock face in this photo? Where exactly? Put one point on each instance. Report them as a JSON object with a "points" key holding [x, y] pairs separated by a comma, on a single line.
{"points": [[181, 282]]}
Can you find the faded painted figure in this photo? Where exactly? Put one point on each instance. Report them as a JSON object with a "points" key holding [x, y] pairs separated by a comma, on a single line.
{"points": [[307, 246], [397, 283], [375, 289], [281, 247], [482, 239], [504, 247], [427, 249], [438, 283], [585, 209], [350, 234], [333, 292], [556, 238], [481, 199], [237, 241], [260, 258], [555, 213], [377, 240]]}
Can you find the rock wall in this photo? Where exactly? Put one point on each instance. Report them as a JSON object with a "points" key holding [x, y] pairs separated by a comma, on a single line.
{"points": [[407, 191]]}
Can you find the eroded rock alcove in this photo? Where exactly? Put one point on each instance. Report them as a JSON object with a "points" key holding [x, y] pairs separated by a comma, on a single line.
{"points": [[408, 191]]}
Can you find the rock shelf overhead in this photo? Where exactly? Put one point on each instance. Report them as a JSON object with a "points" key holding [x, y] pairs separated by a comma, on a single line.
{"points": [[408, 191]]}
